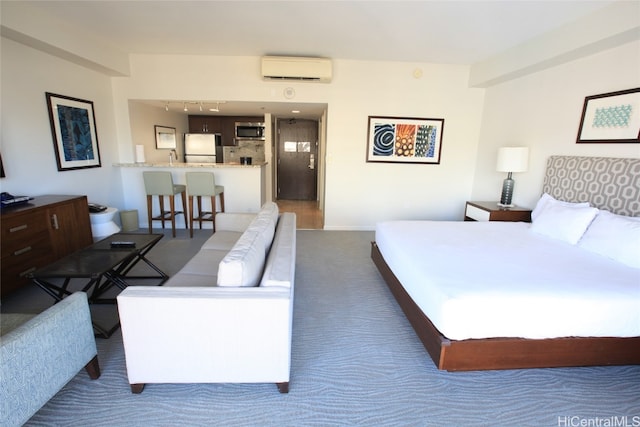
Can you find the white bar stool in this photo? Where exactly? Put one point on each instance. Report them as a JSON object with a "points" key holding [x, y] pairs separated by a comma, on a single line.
{"points": [[159, 183], [203, 184]]}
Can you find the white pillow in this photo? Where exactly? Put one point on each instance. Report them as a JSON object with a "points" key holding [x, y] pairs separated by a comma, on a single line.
{"points": [[548, 200], [264, 224], [270, 210], [566, 223], [243, 264], [614, 236]]}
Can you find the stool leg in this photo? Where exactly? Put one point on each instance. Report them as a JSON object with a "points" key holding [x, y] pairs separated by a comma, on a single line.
{"points": [[184, 209], [200, 212], [222, 202], [149, 211], [213, 212], [172, 205], [161, 197], [191, 216]]}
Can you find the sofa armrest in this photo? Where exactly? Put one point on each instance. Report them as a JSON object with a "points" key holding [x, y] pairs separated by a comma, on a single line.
{"points": [[39, 357], [227, 221]]}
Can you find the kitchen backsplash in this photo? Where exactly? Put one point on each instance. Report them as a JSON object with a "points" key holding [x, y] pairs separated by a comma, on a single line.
{"points": [[253, 149]]}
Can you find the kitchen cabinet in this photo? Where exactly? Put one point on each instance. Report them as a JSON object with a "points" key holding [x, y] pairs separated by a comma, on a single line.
{"points": [[39, 232], [205, 124], [224, 125]]}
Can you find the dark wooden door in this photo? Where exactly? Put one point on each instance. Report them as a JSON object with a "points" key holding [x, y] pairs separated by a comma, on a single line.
{"points": [[297, 159]]}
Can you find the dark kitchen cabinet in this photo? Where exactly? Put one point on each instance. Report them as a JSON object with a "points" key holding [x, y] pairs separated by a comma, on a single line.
{"points": [[224, 125], [205, 124]]}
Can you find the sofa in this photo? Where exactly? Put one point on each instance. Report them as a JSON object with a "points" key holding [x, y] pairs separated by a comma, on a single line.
{"points": [[40, 354], [226, 316]]}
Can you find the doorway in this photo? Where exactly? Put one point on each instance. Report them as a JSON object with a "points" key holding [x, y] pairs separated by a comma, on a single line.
{"points": [[297, 170], [297, 176]]}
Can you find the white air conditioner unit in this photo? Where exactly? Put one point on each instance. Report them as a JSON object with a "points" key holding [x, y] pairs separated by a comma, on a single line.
{"points": [[296, 68]]}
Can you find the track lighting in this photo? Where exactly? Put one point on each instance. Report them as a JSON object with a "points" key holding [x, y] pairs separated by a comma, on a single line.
{"points": [[184, 105]]}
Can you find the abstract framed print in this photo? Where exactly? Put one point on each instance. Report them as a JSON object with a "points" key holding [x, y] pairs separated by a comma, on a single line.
{"points": [[612, 117], [73, 126], [404, 140]]}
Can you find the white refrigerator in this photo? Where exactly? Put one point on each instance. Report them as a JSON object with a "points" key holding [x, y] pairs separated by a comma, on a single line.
{"points": [[203, 148]]}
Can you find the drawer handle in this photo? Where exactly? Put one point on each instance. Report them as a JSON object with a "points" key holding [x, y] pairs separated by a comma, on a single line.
{"points": [[18, 228], [54, 222], [27, 272], [22, 251]]}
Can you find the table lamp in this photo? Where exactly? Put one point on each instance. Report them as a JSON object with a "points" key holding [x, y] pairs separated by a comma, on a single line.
{"points": [[511, 159]]}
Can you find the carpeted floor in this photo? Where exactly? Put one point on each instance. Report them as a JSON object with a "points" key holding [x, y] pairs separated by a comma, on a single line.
{"points": [[355, 361]]}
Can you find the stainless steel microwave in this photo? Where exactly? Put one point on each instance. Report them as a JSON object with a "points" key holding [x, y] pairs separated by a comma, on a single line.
{"points": [[247, 130]]}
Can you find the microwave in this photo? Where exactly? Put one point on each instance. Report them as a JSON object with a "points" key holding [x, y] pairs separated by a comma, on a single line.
{"points": [[246, 130]]}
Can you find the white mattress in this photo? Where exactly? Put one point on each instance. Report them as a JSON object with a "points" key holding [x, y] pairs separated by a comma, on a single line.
{"points": [[498, 279]]}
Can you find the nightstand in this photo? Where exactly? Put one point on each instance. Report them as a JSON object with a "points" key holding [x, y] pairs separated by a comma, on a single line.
{"points": [[490, 211]]}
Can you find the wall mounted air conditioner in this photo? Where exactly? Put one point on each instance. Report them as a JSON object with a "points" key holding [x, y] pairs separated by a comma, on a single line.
{"points": [[296, 68]]}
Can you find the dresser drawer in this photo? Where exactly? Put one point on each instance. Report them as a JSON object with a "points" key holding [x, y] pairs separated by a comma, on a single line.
{"points": [[22, 230], [14, 272]]}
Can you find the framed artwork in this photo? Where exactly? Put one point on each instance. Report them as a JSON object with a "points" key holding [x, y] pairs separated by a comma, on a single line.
{"points": [[611, 117], [404, 140], [165, 137], [73, 125]]}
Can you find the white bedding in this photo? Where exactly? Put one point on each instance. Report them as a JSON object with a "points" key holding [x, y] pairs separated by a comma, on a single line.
{"points": [[499, 279]]}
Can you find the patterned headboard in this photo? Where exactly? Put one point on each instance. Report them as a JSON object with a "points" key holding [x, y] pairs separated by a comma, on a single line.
{"points": [[606, 182]]}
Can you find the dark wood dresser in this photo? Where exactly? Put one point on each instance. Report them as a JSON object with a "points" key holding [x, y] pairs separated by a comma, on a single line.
{"points": [[37, 233]]}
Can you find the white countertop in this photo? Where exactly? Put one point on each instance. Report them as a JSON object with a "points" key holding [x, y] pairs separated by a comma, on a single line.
{"points": [[188, 165]]}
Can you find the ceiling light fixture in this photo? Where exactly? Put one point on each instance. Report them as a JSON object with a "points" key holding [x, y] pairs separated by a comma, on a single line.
{"points": [[201, 106], [184, 106], [166, 106], [217, 109]]}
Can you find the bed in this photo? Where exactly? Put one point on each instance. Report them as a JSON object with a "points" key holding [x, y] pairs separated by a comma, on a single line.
{"points": [[561, 291]]}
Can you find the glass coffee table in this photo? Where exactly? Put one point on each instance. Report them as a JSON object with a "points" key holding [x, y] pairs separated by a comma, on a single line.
{"points": [[103, 265]]}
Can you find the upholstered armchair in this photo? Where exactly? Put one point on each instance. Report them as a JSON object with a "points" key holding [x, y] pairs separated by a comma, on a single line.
{"points": [[41, 355]]}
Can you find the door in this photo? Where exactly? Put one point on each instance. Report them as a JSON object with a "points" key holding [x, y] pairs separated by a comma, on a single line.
{"points": [[297, 159]]}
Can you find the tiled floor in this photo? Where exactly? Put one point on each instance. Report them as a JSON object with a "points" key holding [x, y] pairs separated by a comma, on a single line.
{"points": [[308, 215]]}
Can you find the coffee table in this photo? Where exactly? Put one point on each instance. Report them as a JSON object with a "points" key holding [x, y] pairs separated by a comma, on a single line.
{"points": [[103, 266]]}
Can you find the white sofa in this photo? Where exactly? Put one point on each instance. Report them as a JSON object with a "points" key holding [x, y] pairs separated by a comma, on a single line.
{"points": [[226, 317]]}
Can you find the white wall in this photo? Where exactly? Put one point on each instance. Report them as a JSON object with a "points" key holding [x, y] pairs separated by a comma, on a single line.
{"points": [[357, 194], [143, 120], [542, 111], [27, 145]]}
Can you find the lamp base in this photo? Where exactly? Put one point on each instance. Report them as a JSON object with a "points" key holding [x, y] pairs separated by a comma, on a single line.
{"points": [[501, 205], [507, 192]]}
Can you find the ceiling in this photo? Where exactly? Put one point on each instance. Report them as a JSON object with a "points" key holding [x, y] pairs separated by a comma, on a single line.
{"points": [[447, 31]]}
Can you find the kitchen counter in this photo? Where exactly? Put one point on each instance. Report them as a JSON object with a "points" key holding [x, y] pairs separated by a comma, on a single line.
{"points": [[244, 186]]}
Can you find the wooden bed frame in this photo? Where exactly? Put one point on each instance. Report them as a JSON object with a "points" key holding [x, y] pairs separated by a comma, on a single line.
{"points": [[518, 353], [506, 353]]}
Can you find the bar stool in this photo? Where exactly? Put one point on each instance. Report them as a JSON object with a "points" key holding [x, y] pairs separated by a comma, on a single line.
{"points": [[203, 184], [161, 184]]}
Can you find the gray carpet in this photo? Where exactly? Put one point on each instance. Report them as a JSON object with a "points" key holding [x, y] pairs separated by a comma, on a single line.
{"points": [[355, 361]]}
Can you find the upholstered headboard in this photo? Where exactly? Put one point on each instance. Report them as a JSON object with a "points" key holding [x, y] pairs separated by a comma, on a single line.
{"points": [[607, 183]]}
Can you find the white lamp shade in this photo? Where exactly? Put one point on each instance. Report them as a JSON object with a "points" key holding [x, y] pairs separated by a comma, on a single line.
{"points": [[513, 159]]}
